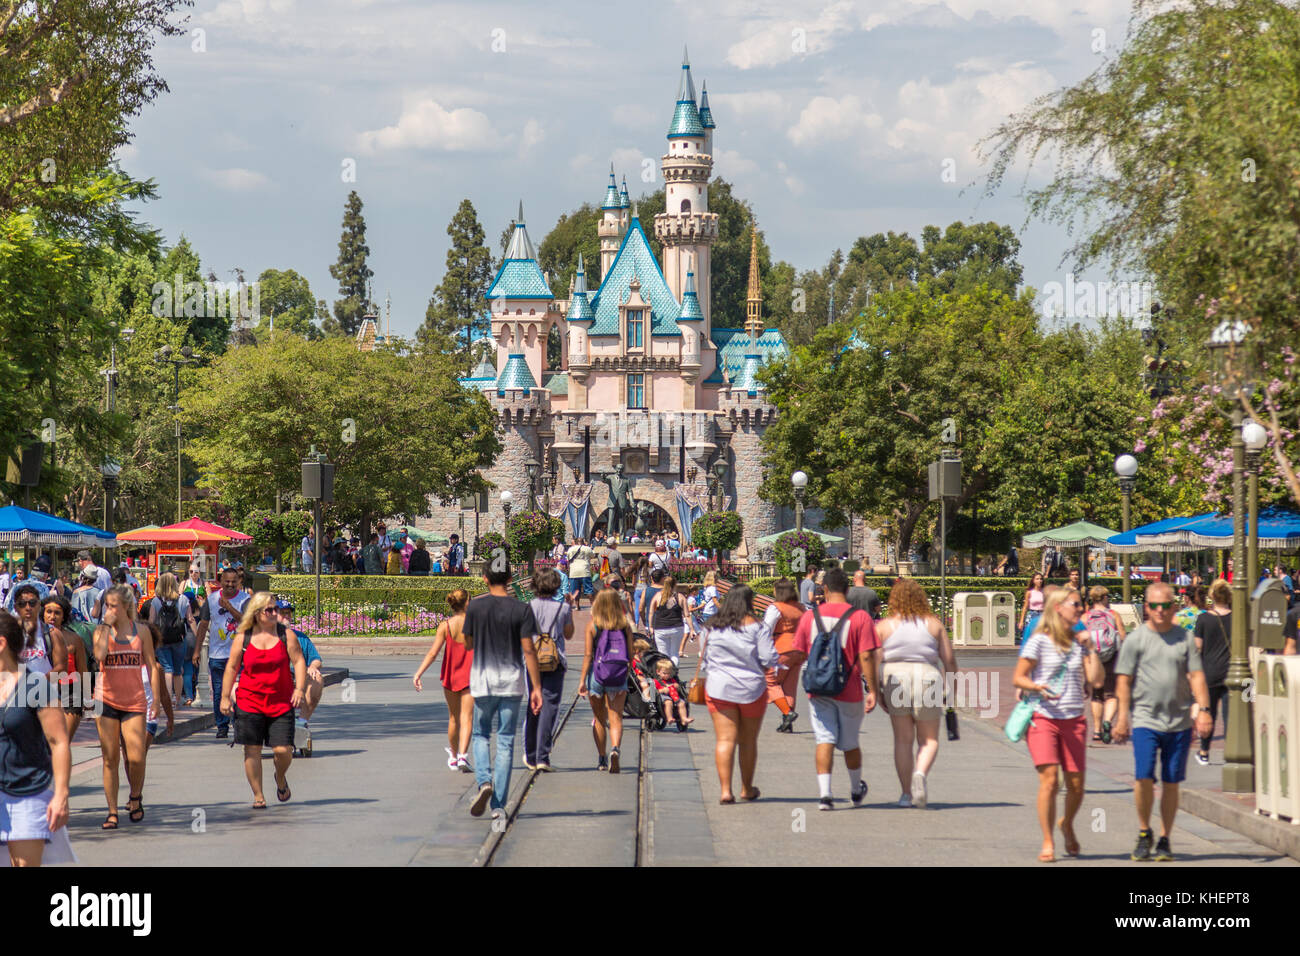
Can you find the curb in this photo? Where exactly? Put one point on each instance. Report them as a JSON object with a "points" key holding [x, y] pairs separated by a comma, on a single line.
{"points": [[190, 726], [1226, 812]]}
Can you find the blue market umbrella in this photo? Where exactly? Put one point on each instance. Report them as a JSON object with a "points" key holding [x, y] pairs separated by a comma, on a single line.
{"points": [[21, 526], [1278, 528], [1139, 540]]}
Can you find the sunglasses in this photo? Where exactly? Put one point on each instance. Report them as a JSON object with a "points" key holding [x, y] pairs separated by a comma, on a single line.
{"points": [[1160, 605], [26, 603]]}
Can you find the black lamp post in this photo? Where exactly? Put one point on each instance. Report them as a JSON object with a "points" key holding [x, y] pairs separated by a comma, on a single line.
{"points": [[720, 472], [800, 481], [1126, 468], [164, 356]]}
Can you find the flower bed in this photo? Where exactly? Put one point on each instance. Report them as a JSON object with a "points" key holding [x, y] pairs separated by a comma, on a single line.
{"points": [[370, 621]]}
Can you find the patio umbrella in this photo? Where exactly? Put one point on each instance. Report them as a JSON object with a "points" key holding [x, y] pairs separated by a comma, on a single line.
{"points": [[193, 531], [1278, 528], [198, 524], [22, 526], [1080, 534], [827, 538], [1137, 540]]}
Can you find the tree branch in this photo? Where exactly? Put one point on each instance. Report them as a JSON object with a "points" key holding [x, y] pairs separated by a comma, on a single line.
{"points": [[44, 99]]}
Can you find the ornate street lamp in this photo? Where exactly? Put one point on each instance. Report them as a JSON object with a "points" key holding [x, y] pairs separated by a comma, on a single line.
{"points": [[1255, 437], [800, 481], [1126, 468], [1238, 745], [720, 471], [506, 498]]}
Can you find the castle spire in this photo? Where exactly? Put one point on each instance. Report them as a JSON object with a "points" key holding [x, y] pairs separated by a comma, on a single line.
{"points": [[612, 200], [754, 299], [686, 115], [520, 246]]}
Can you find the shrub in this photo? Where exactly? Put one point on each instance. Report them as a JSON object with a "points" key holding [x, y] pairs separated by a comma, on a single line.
{"points": [[527, 533], [488, 542], [796, 551], [717, 530]]}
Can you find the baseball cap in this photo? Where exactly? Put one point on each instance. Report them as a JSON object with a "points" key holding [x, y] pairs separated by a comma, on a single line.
{"points": [[284, 604], [88, 574], [44, 563]]}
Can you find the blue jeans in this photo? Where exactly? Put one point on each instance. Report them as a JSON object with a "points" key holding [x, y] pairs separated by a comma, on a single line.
{"points": [[190, 669], [217, 671], [506, 712]]}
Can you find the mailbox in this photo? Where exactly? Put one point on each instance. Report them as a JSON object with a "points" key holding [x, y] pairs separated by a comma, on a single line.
{"points": [[1268, 607]]}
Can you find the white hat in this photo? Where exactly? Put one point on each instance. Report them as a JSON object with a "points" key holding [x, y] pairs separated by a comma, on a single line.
{"points": [[659, 543]]}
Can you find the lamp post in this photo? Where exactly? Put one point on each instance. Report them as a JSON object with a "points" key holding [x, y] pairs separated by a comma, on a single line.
{"points": [[1126, 468], [800, 481], [1238, 744], [506, 498], [533, 469], [187, 357], [1255, 438], [720, 472]]}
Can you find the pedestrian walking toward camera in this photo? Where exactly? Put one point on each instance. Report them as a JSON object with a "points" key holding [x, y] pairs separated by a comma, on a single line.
{"points": [[1211, 631], [1107, 634], [1031, 608], [500, 631], [124, 652], [554, 621], [315, 686], [670, 620], [1056, 664], [916, 655], [220, 617], [35, 759], [272, 678], [735, 655], [1160, 677], [605, 663], [56, 615], [840, 678], [449, 640], [782, 620], [44, 650]]}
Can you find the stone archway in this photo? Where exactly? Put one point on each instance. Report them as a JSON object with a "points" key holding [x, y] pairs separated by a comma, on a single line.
{"points": [[658, 524]]}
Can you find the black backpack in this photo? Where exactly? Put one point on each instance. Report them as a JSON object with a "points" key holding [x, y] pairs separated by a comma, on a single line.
{"points": [[170, 623]]}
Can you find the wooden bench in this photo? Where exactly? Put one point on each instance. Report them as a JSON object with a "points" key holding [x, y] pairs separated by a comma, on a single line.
{"points": [[761, 601]]}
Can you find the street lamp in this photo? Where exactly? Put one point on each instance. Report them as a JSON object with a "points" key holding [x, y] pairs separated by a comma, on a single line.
{"points": [[110, 471], [800, 481], [533, 469], [506, 498], [187, 357], [1255, 437], [720, 471], [1238, 744], [1126, 468]]}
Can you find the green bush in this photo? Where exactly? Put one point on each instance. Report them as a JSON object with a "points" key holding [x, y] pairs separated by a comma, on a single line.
{"points": [[717, 530], [796, 551]]}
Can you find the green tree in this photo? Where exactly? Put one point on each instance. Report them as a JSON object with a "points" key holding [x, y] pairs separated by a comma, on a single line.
{"points": [[417, 433], [717, 531], [574, 233], [351, 271], [861, 415], [287, 304], [457, 307], [71, 74]]}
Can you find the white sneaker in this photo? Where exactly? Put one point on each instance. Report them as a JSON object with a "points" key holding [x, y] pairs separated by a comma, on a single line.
{"points": [[462, 763], [905, 800], [451, 759], [918, 790]]}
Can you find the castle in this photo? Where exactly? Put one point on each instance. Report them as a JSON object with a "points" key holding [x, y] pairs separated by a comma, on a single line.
{"points": [[644, 381]]}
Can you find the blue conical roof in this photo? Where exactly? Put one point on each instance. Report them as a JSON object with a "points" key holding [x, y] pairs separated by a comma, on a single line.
{"points": [[691, 311], [623, 201], [484, 376], [706, 115], [520, 277], [747, 379], [686, 116], [579, 307], [611, 192], [516, 374]]}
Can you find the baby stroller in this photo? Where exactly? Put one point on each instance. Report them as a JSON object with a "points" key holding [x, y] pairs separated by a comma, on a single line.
{"points": [[653, 709]]}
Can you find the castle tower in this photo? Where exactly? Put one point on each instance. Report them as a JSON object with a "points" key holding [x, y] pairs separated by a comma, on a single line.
{"points": [[706, 118], [686, 227], [612, 224], [522, 306], [625, 207], [754, 298], [579, 320]]}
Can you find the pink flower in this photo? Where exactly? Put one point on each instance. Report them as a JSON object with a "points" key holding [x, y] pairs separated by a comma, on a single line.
{"points": [[1140, 447]]}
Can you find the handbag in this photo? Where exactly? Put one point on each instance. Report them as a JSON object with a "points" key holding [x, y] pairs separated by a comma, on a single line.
{"points": [[695, 691], [1018, 723]]}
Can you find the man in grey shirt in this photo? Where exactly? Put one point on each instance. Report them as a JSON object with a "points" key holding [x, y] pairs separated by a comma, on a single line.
{"points": [[862, 597], [806, 587], [1158, 674]]}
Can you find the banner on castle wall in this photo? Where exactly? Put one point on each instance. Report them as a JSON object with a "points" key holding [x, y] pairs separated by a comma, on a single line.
{"points": [[559, 503], [691, 500], [577, 498]]}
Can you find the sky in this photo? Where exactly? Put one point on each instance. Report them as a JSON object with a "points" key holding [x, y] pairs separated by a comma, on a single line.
{"points": [[834, 120]]}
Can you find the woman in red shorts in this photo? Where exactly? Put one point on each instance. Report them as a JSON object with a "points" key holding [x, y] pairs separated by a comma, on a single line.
{"points": [[1056, 661], [272, 676], [456, 663], [736, 655]]}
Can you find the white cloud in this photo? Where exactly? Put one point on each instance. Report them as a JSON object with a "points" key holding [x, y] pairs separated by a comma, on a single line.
{"points": [[744, 106], [241, 12], [236, 180], [827, 118], [425, 124], [533, 134], [728, 164], [793, 37], [636, 116]]}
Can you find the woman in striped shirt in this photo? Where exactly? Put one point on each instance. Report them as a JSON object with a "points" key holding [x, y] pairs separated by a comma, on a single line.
{"points": [[1055, 662]]}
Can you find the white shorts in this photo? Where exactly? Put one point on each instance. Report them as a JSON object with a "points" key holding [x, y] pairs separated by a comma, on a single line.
{"points": [[23, 818], [836, 722], [913, 688]]}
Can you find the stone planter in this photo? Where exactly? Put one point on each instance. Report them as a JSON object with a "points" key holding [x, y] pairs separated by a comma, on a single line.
{"points": [[476, 567]]}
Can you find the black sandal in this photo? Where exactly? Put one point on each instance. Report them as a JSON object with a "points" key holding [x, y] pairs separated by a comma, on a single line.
{"points": [[110, 822], [283, 794], [136, 815]]}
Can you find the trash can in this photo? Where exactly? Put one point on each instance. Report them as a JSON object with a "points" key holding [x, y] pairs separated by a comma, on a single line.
{"points": [[1002, 618], [1286, 742], [1262, 721], [970, 625], [255, 581]]}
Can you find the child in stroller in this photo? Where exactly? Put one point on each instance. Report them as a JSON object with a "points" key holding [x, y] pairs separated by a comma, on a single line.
{"points": [[653, 698]]}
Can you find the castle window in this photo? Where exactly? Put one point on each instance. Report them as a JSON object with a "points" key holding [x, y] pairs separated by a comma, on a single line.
{"points": [[635, 329], [636, 391], [686, 205]]}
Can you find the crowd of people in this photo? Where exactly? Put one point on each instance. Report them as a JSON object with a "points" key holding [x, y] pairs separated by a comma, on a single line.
{"points": [[381, 553]]}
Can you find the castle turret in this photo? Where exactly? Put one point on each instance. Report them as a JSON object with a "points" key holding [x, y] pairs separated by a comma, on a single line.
{"points": [[754, 297], [612, 225], [706, 118], [686, 227], [625, 206], [579, 321], [521, 304]]}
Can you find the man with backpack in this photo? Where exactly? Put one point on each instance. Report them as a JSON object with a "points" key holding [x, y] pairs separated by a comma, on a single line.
{"points": [[840, 678], [1107, 634], [171, 613]]}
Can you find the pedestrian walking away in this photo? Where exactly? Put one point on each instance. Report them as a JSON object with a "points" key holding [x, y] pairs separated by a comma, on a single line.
{"points": [[124, 655], [839, 642], [219, 618], [449, 640], [580, 557], [170, 611], [554, 621], [670, 620], [500, 631], [1056, 664], [269, 675], [1107, 634], [1211, 631], [605, 663], [782, 620], [1160, 678], [735, 655], [35, 759], [916, 655]]}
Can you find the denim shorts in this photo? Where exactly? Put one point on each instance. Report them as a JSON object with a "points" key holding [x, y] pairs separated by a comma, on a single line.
{"points": [[171, 657], [581, 586], [598, 689], [1174, 747]]}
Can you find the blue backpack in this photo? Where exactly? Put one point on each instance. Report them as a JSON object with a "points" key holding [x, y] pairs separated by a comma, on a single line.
{"points": [[826, 673]]}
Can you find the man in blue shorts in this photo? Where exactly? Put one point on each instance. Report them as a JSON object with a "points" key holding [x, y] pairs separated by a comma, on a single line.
{"points": [[1158, 675]]}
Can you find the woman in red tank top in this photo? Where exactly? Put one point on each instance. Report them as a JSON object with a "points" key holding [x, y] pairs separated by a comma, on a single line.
{"points": [[272, 677], [456, 661]]}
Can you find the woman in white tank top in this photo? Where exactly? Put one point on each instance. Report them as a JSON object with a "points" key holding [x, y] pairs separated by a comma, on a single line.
{"points": [[916, 652]]}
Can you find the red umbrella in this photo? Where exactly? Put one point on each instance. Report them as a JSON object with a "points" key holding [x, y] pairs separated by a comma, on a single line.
{"points": [[207, 527]]}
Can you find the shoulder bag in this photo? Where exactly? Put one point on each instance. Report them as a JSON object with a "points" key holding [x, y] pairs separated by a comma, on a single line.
{"points": [[1018, 723]]}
